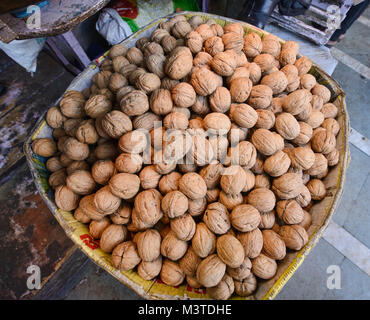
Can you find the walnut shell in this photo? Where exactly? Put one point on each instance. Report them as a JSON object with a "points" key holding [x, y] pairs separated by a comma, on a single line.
{"points": [[216, 217], [289, 211], [233, 179], [169, 182], [262, 199], [323, 142], [72, 104], [197, 207], [80, 216], [179, 63], [271, 45], [317, 189], [230, 250], [149, 177], [214, 45], [125, 256], [192, 185], [81, 182], [204, 241], [44, 147], [75, 150], [260, 96], [223, 290], [161, 101], [296, 101], [243, 115], [133, 142], [287, 186], [294, 236], [264, 141], [117, 50], [277, 81], [211, 174], [149, 245], [246, 286], [217, 123], [205, 81], [224, 63], [245, 218], [233, 41], [210, 271], [277, 164], [252, 242], [316, 119], [171, 273], [172, 247], [322, 91], [174, 204], [189, 262], [319, 166], [148, 270], [252, 45], [65, 198], [183, 95], [273, 245], [97, 106], [264, 267], [97, 227], [134, 103], [205, 31], [55, 118], [124, 185], [308, 81], [183, 226], [305, 134], [148, 206], [112, 236]]}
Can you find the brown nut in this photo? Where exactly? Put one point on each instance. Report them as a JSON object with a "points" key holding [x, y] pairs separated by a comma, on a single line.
{"points": [[216, 217], [329, 110], [129, 163], [169, 182], [319, 166], [86, 132], [252, 242], [149, 245], [302, 157], [211, 174], [240, 89], [277, 164], [245, 218], [204, 241], [271, 45], [233, 41], [174, 204], [116, 123], [112, 236], [183, 95], [317, 189], [264, 267], [148, 270], [179, 63], [161, 101], [134, 103], [230, 250], [265, 142], [172, 247], [252, 45], [296, 101], [287, 186], [210, 271], [246, 286], [72, 104], [76, 150], [149, 177], [133, 141], [294, 236], [44, 147], [243, 115], [217, 123], [224, 63], [289, 211], [97, 106], [277, 81], [193, 186], [197, 207], [125, 256], [55, 118], [273, 245], [223, 290], [262, 199], [124, 185], [189, 262], [233, 179], [322, 91], [65, 198], [323, 142], [260, 96], [305, 134], [183, 226], [81, 182], [148, 206], [97, 227], [205, 81], [171, 273]]}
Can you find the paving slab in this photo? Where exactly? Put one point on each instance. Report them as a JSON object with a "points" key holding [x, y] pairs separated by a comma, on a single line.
{"points": [[309, 281], [357, 173], [99, 284], [357, 90], [355, 284]]}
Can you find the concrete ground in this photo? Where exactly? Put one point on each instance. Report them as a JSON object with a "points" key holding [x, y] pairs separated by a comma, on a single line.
{"points": [[351, 222]]}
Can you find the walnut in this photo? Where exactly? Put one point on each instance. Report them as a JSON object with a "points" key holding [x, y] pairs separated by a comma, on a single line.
{"points": [[54, 164], [244, 154], [317, 189], [250, 180], [317, 102], [240, 72], [183, 95], [65, 198], [305, 134], [264, 61], [216, 217], [267, 220], [304, 197], [230, 250], [303, 65], [55, 118], [134, 75], [246, 286], [243, 115], [97, 106], [252, 45], [129, 163], [331, 125], [168, 43], [147, 82], [205, 81], [316, 119], [264, 141], [322, 91], [86, 132], [175, 120], [81, 182], [230, 201], [202, 59], [58, 133], [125, 256], [149, 245], [97, 227], [277, 164], [179, 63], [236, 134], [88, 208], [266, 119], [329, 110], [233, 41], [233, 179], [148, 270], [174, 204], [296, 101], [308, 81], [224, 63], [213, 45], [264, 267], [211, 174], [149, 177], [122, 215], [277, 81], [124, 185], [106, 151], [158, 35], [194, 42], [271, 45], [155, 64], [252, 242], [294, 236], [44, 147], [262, 199], [183, 226], [289, 211], [193, 186], [134, 103], [172, 247], [203, 241], [70, 126], [260, 96], [245, 218], [80, 216], [205, 31], [146, 121], [302, 157], [148, 206], [333, 157], [189, 262], [323, 141], [76, 150], [287, 126], [217, 123], [117, 50], [307, 220], [161, 102], [223, 290], [195, 21], [171, 273], [210, 271], [319, 166], [287, 186], [105, 201], [72, 104], [273, 245], [180, 29], [240, 89], [133, 141], [150, 48], [197, 207]]}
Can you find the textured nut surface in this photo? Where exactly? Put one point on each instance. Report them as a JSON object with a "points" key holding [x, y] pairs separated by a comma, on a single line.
{"points": [[294, 236], [252, 242], [171, 273], [149, 245], [134, 103], [233, 179], [217, 123], [148, 206], [273, 245], [246, 286], [65, 198], [223, 290], [317, 189], [172, 247], [124, 185], [243, 115], [287, 186], [252, 45], [264, 141], [262, 199], [174, 204], [264, 267], [277, 164], [183, 226], [148, 270], [217, 219], [205, 81], [179, 63], [112, 236], [192, 185], [287, 126], [245, 218], [81, 182], [125, 256], [116, 123], [44, 147], [289, 211], [204, 241], [210, 271], [189, 262], [230, 250], [105, 201]]}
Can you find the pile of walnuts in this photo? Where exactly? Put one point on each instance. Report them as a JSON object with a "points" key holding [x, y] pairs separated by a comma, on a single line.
{"points": [[220, 191]]}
